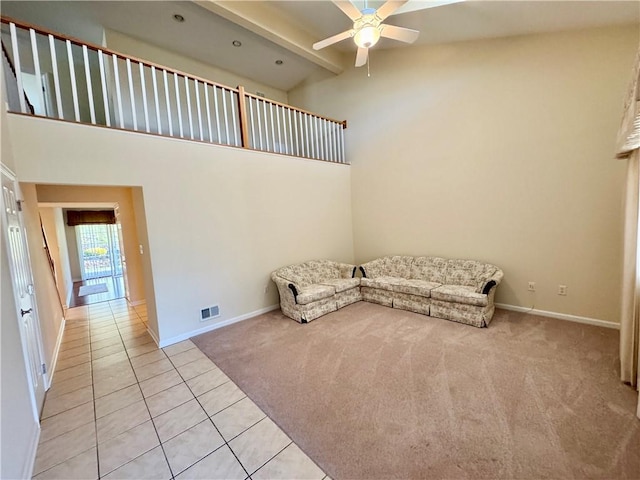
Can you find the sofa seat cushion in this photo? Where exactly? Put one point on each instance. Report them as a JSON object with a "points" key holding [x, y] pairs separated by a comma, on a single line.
{"points": [[342, 284], [460, 294], [313, 293], [421, 288], [382, 283]]}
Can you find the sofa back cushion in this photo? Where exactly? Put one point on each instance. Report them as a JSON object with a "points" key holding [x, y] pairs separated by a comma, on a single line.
{"points": [[398, 266], [430, 269], [321, 270], [298, 274], [470, 273], [309, 273]]}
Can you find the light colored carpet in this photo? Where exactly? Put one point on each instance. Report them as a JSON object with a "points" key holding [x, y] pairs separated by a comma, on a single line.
{"points": [[92, 289], [373, 392]]}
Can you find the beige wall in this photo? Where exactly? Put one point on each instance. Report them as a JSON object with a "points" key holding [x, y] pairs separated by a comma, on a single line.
{"points": [[497, 150], [139, 49], [121, 196], [72, 249], [50, 311], [219, 219], [48, 218], [147, 269], [63, 253]]}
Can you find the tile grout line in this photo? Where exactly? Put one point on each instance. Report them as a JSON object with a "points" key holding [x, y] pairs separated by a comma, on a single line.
{"points": [[207, 414], [145, 403], [93, 388]]}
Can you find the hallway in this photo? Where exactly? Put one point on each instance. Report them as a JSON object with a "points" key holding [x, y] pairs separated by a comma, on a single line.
{"points": [[120, 407]]}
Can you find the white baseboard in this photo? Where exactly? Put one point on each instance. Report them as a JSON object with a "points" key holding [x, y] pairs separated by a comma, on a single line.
{"points": [[51, 369], [561, 316], [154, 336], [30, 458], [215, 326]]}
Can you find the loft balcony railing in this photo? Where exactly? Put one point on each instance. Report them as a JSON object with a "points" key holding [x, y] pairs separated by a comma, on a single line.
{"points": [[55, 76]]}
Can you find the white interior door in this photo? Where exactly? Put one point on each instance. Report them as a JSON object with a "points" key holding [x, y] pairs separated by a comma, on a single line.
{"points": [[22, 278]]}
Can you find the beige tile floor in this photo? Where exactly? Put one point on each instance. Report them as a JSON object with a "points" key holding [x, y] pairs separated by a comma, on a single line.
{"points": [[120, 407]]}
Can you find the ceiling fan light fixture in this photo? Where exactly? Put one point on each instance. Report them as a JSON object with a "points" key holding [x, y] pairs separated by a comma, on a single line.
{"points": [[367, 36]]}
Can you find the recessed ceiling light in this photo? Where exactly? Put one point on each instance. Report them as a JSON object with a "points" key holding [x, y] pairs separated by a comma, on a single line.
{"points": [[279, 62], [236, 43], [178, 18]]}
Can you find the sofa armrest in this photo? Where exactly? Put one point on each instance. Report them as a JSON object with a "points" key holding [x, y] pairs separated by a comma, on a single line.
{"points": [[347, 270], [492, 282], [372, 269], [288, 290]]}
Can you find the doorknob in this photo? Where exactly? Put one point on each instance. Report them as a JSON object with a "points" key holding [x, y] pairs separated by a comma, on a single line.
{"points": [[24, 312]]}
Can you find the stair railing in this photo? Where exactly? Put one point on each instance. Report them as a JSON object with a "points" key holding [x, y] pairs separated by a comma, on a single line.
{"points": [[84, 83]]}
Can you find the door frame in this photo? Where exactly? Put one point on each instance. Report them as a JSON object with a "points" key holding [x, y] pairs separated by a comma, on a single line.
{"points": [[5, 171]]}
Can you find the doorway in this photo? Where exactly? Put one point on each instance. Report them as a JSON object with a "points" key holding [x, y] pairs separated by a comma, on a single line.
{"points": [[101, 264]]}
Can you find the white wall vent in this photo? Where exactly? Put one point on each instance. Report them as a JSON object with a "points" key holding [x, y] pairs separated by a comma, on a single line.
{"points": [[209, 313]]}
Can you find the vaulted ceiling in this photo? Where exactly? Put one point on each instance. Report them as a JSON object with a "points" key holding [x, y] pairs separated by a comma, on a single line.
{"points": [[285, 30]]}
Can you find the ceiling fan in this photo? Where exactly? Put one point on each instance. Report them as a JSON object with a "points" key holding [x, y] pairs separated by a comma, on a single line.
{"points": [[368, 28]]}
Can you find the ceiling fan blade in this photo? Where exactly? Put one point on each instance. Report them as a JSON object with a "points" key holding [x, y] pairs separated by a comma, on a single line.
{"points": [[331, 40], [361, 56], [349, 9], [399, 33], [388, 8]]}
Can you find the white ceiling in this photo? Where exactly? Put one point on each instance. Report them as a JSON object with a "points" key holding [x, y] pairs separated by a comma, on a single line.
{"points": [[207, 37]]}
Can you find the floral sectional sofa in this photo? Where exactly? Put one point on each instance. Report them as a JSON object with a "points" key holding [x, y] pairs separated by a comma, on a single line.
{"points": [[457, 290], [315, 288]]}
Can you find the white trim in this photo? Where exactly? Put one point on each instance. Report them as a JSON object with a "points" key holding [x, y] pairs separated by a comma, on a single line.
{"points": [[215, 326], [561, 316], [30, 457], [154, 336], [51, 369]]}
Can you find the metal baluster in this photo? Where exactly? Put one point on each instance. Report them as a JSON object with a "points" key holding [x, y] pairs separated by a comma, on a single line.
{"points": [[295, 118], [74, 88], [145, 107], [118, 92], [253, 125], [155, 99], [179, 107], [266, 125], [16, 60], [87, 74], [343, 159], [206, 98], [132, 98], [226, 119], [273, 133], [199, 110], [167, 101], [105, 96], [233, 117], [36, 62], [311, 151], [278, 121], [56, 77], [215, 103], [188, 94], [284, 129], [259, 123]]}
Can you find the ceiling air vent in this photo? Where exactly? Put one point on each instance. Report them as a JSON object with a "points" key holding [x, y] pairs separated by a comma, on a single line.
{"points": [[209, 313]]}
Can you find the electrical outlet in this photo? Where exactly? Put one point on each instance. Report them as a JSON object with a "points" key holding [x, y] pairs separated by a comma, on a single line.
{"points": [[532, 286], [266, 289], [562, 289]]}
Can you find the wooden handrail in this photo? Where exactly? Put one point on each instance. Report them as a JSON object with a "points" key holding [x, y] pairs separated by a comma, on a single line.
{"points": [[109, 51], [240, 91], [80, 43]]}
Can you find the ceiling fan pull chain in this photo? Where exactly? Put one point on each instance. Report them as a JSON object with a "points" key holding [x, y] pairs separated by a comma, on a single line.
{"points": [[368, 62]]}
